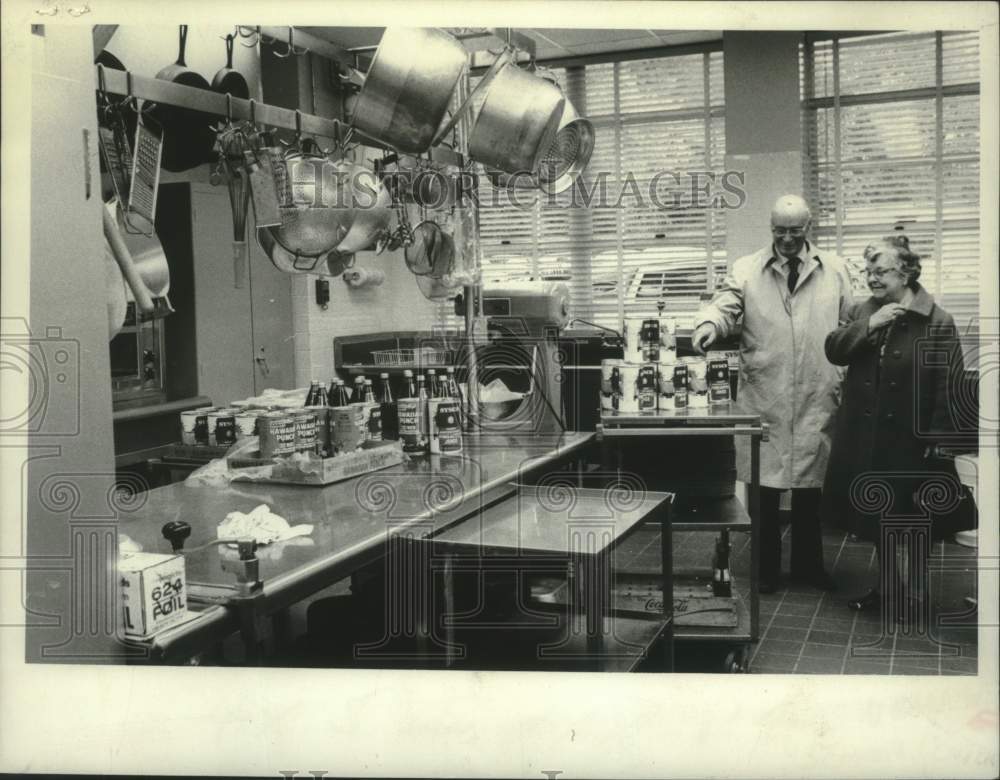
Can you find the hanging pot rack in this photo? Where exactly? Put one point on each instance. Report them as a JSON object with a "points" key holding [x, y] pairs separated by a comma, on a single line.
{"points": [[154, 90]]}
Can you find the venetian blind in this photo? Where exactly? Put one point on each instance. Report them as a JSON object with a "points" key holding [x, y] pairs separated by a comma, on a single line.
{"points": [[892, 138], [634, 230]]}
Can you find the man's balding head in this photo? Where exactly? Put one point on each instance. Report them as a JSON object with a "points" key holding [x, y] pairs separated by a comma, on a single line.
{"points": [[790, 219], [790, 211]]}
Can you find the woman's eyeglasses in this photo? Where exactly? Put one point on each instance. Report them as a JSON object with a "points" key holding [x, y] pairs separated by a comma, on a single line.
{"points": [[794, 232], [879, 273]]}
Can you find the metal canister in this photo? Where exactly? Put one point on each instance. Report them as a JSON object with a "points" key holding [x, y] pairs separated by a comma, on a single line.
{"points": [[222, 426], [277, 434], [347, 430], [246, 423], [305, 429]]}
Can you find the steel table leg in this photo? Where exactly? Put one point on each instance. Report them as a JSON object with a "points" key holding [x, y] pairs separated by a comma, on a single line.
{"points": [[754, 535]]}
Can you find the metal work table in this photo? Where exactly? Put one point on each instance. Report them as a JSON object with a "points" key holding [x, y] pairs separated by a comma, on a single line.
{"points": [[352, 524], [725, 515], [549, 527]]}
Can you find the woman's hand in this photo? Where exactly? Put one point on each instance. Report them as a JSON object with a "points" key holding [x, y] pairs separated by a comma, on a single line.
{"points": [[887, 314]]}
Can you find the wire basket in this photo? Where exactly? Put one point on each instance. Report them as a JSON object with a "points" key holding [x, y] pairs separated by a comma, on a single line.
{"points": [[424, 356]]}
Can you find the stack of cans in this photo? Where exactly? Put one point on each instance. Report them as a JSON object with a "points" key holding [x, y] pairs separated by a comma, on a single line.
{"points": [[642, 382], [209, 425]]}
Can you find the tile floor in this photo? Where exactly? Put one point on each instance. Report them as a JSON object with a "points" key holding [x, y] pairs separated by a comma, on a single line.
{"points": [[806, 631]]}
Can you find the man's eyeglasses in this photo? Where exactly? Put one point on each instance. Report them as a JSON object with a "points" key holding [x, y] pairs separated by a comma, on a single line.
{"points": [[878, 273], [794, 232]]}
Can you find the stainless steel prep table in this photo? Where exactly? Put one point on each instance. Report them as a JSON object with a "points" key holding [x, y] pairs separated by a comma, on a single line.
{"points": [[352, 522], [721, 420]]}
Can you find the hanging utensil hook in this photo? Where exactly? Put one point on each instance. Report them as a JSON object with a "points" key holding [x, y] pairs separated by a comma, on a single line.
{"points": [[254, 33], [290, 48]]}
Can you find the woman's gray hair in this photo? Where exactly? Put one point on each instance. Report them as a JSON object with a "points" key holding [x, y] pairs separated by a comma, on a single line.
{"points": [[899, 244]]}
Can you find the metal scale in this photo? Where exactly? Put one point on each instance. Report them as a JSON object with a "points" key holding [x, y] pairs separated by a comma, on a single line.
{"points": [[521, 348]]}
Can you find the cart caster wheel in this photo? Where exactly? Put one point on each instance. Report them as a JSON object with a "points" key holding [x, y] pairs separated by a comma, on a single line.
{"points": [[737, 662]]}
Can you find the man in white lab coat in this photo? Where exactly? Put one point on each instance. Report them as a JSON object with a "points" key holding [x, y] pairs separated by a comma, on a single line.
{"points": [[787, 297]]}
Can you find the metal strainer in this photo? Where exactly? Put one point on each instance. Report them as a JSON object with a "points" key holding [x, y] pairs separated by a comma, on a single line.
{"points": [[569, 153]]}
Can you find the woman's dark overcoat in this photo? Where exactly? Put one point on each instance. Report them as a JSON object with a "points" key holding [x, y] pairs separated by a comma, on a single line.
{"points": [[900, 396]]}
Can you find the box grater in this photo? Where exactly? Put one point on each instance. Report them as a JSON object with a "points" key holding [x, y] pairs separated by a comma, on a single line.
{"points": [[145, 174]]}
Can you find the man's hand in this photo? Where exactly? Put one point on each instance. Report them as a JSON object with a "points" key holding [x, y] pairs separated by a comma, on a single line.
{"points": [[703, 337], [884, 316]]}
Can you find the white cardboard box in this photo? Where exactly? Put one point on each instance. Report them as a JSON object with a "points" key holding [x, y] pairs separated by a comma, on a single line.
{"points": [[153, 592]]}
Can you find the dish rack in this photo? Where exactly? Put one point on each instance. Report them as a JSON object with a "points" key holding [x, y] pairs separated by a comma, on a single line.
{"points": [[422, 356]]}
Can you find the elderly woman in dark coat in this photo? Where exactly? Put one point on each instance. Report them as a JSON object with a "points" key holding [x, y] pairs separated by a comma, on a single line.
{"points": [[903, 356]]}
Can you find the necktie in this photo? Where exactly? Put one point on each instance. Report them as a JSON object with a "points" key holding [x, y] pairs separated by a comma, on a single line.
{"points": [[793, 272]]}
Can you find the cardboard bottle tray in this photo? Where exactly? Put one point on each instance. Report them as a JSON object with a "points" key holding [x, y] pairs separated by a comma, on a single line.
{"points": [[313, 470]]}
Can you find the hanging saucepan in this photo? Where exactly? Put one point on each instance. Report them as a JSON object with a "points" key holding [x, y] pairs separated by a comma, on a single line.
{"points": [[123, 257], [229, 80], [517, 122], [116, 292], [316, 215], [372, 205], [409, 86], [188, 139]]}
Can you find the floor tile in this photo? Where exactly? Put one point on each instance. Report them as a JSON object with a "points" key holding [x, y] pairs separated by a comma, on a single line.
{"points": [[787, 634], [832, 624], [818, 666], [791, 621], [796, 610], [780, 647], [862, 667], [810, 650], [762, 662], [912, 670], [829, 637], [960, 664]]}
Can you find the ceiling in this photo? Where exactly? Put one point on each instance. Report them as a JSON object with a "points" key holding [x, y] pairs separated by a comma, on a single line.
{"points": [[550, 43]]}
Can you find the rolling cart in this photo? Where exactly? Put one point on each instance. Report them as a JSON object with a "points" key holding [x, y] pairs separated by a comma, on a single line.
{"points": [[720, 516]]}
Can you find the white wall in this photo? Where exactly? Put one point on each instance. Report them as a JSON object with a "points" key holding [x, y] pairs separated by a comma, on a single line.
{"points": [[146, 50]]}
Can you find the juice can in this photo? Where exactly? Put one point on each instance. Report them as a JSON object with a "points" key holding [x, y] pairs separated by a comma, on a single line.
{"points": [[190, 433], [717, 378], [444, 421], [200, 430], [246, 423], [277, 434], [305, 430], [680, 386], [347, 430], [411, 425], [222, 427]]}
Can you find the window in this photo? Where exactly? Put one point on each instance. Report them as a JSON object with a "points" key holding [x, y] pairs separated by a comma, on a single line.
{"points": [[635, 230], [892, 138]]}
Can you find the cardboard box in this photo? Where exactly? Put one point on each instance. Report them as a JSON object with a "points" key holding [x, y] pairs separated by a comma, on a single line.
{"points": [[153, 592]]}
